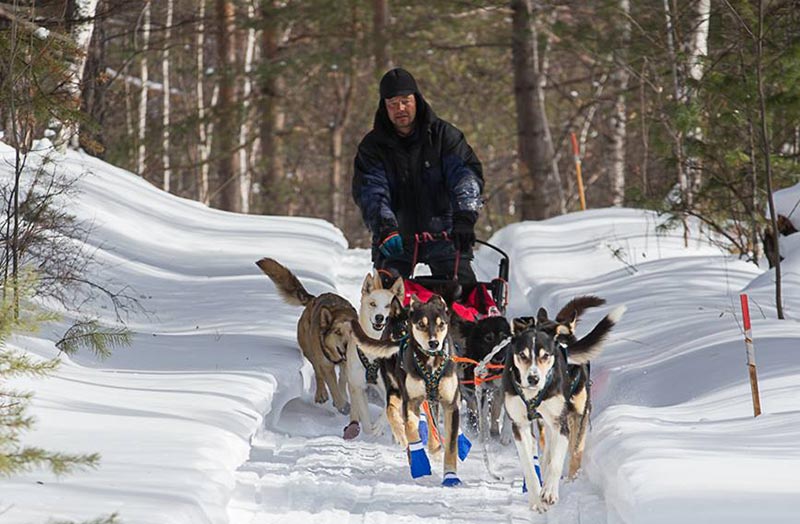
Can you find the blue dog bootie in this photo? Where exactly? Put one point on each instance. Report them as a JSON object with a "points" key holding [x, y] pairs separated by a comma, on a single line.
{"points": [[464, 445], [538, 469], [423, 428], [418, 460], [450, 480]]}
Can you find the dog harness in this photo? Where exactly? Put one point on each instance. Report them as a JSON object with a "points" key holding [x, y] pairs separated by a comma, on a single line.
{"points": [[533, 404], [370, 368], [432, 378]]}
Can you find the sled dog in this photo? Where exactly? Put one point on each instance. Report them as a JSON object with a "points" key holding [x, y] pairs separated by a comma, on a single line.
{"points": [[425, 371], [363, 370], [536, 384], [563, 329], [323, 330], [479, 339]]}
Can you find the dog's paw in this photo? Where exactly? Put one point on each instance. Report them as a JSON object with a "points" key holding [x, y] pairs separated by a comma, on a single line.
{"points": [[418, 461], [344, 409], [549, 494], [450, 480], [377, 429], [506, 439], [539, 506], [351, 431], [321, 396], [464, 445]]}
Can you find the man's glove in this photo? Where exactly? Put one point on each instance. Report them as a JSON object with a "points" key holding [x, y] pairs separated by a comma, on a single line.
{"points": [[391, 245], [463, 231]]}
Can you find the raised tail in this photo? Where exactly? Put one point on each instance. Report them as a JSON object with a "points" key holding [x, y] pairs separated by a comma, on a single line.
{"points": [[590, 346], [575, 307], [290, 289], [370, 346]]}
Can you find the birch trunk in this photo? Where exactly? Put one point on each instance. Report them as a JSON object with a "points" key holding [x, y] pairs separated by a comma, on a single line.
{"points": [[698, 51], [166, 100], [203, 146], [619, 115], [245, 181], [539, 186], [141, 153], [80, 14]]}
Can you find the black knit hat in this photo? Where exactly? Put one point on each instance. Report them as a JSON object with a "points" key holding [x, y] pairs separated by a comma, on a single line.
{"points": [[397, 82]]}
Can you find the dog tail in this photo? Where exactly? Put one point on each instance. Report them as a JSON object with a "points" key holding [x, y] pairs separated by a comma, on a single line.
{"points": [[370, 346], [575, 307], [591, 345], [289, 288]]}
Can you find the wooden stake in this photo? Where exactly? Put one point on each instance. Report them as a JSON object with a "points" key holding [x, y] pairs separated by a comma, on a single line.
{"points": [[751, 355], [577, 154]]}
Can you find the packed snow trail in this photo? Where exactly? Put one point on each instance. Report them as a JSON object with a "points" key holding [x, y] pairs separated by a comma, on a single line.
{"points": [[301, 470]]}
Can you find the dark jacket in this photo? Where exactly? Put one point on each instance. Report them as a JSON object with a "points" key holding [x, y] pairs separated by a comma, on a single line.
{"points": [[416, 183]]}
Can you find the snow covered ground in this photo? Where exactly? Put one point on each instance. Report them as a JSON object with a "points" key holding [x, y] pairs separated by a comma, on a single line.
{"points": [[209, 416]]}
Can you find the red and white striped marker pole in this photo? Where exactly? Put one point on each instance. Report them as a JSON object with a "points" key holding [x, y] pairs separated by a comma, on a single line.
{"points": [[751, 355]]}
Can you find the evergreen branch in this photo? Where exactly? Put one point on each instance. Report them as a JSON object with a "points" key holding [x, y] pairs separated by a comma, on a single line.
{"points": [[94, 337]]}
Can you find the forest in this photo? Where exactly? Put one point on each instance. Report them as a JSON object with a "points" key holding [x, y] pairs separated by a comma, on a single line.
{"points": [[688, 107]]}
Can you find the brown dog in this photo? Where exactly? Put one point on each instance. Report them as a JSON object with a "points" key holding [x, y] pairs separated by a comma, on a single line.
{"points": [[323, 331]]}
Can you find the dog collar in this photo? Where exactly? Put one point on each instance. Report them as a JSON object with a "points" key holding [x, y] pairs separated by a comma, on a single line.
{"points": [[533, 404]]}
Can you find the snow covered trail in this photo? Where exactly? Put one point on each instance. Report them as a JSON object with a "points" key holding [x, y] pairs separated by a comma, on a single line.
{"points": [[300, 469]]}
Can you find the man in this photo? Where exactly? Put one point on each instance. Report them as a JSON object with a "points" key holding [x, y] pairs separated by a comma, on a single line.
{"points": [[415, 173]]}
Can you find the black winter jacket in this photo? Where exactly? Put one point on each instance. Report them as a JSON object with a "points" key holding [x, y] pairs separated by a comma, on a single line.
{"points": [[416, 183]]}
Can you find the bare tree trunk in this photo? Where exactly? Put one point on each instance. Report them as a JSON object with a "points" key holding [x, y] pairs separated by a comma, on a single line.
{"points": [[80, 16], [245, 181], [230, 198], [539, 186], [166, 99], [142, 149], [272, 121], [619, 115], [380, 22], [767, 161]]}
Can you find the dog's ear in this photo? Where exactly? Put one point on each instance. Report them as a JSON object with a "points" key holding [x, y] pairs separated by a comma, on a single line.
{"points": [[520, 324], [396, 307], [571, 322], [462, 328], [368, 286], [325, 318], [440, 299], [541, 316], [415, 302], [377, 281], [399, 288]]}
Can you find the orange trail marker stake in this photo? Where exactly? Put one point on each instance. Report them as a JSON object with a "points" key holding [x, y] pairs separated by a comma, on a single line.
{"points": [[577, 155], [751, 355]]}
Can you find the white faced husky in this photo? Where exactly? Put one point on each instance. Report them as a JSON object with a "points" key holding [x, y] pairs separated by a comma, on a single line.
{"points": [[362, 370]]}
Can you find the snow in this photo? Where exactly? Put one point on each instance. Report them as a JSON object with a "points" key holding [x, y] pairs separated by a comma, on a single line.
{"points": [[209, 416]]}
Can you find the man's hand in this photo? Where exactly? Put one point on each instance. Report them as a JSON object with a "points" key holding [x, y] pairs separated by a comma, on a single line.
{"points": [[391, 245], [463, 231]]}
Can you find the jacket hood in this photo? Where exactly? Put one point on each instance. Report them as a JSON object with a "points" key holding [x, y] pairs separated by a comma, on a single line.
{"points": [[422, 121]]}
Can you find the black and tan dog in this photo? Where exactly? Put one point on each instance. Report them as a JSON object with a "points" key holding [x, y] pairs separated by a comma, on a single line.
{"points": [[323, 330], [536, 383], [477, 340], [563, 329], [424, 371]]}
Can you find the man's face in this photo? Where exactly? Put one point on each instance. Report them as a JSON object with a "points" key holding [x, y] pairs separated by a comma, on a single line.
{"points": [[402, 111]]}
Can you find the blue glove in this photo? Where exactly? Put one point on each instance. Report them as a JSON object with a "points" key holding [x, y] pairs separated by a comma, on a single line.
{"points": [[391, 245], [538, 471], [450, 480], [418, 460]]}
